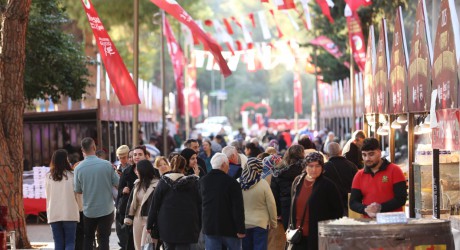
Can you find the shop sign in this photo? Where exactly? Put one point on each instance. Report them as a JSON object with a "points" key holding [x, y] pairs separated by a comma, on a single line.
{"points": [[447, 134], [398, 68], [446, 55], [381, 71], [369, 70], [420, 62]]}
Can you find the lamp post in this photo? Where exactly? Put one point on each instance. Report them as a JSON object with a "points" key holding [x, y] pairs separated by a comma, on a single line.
{"points": [[136, 72], [163, 86]]}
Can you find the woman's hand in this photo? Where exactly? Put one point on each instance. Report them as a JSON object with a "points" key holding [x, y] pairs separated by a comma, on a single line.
{"points": [[196, 170], [126, 190]]}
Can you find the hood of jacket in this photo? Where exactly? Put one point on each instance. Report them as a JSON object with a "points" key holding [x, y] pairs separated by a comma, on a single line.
{"points": [[288, 172], [179, 181]]}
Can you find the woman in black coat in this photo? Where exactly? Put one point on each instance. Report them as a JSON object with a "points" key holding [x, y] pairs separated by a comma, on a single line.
{"points": [[315, 198], [176, 212]]}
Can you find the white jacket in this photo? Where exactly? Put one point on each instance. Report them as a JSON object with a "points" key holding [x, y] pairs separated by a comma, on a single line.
{"points": [[260, 206], [61, 201]]}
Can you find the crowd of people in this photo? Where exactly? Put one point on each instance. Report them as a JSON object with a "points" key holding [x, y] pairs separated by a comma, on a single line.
{"points": [[217, 195]]}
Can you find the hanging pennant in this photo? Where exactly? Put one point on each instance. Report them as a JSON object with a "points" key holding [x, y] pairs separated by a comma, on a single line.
{"points": [[263, 25], [280, 34]]}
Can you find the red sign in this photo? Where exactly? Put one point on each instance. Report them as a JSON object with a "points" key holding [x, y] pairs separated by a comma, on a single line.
{"points": [[447, 134], [178, 61], [444, 73], [120, 79], [175, 10], [381, 71], [369, 70], [398, 68], [419, 79], [355, 4], [356, 39]]}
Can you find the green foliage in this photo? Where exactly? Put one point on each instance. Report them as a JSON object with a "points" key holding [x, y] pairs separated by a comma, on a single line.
{"points": [[55, 63]]}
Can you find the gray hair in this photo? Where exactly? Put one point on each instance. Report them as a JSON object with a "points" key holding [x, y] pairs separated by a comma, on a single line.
{"points": [[229, 151], [333, 149], [218, 160]]}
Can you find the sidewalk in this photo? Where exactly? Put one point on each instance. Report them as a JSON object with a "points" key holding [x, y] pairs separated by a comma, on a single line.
{"points": [[41, 237]]}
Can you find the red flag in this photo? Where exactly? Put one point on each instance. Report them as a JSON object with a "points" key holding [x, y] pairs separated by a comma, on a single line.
{"points": [[228, 26], [285, 4], [280, 34], [120, 79], [193, 94], [174, 9], [236, 21], [264, 1], [253, 21], [356, 39], [178, 62], [355, 4], [323, 4], [329, 46], [297, 94]]}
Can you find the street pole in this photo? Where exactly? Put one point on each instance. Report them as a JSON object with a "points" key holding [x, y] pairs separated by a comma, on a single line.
{"points": [[163, 86], [136, 72], [318, 127], [186, 95], [353, 93]]}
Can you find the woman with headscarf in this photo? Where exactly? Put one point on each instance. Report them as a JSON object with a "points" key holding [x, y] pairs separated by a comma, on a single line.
{"points": [[175, 216], [283, 176], [259, 206], [315, 198], [269, 163], [192, 163], [140, 201]]}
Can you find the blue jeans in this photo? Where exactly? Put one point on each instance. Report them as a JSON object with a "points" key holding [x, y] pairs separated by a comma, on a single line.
{"points": [[216, 242], [64, 234], [256, 239]]}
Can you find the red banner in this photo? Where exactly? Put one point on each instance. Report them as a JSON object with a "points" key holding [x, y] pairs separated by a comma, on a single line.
{"points": [[175, 10], [297, 94], [193, 94], [356, 39], [120, 79], [285, 4], [323, 4], [329, 46], [178, 61], [355, 4], [447, 134]]}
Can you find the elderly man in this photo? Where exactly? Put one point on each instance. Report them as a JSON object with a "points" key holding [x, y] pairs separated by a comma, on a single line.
{"points": [[223, 208], [232, 155], [94, 178], [352, 150], [340, 170], [380, 186]]}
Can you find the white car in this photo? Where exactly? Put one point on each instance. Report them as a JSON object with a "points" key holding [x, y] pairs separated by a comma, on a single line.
{"points": [[214, 125]]}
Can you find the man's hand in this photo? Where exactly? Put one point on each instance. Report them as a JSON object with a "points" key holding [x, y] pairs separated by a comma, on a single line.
{"points": [[241, 236], [373, 209], [126, 190]]}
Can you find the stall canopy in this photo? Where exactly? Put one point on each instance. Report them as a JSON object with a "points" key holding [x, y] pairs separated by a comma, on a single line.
{"points": [[398, 68], [420, 62], [369, 70], [382, 70]]}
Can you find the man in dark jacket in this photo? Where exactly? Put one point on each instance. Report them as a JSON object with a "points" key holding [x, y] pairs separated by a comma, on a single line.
{"points": [[352, 150], [235, 169], [223, 208], [341, 171]]}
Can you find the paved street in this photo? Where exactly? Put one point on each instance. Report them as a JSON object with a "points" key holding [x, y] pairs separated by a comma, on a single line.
{"points": [[41, 237]]}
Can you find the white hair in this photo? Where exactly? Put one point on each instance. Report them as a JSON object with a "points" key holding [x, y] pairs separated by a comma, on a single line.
{"points": [[218, 160], [229, 151], [255, 141]]}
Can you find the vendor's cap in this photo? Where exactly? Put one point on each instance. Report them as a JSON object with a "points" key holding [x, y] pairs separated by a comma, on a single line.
{"points": [[122, 150]]}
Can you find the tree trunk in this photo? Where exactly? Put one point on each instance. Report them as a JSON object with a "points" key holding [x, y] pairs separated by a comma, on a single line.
{"points": [[14, 19]]}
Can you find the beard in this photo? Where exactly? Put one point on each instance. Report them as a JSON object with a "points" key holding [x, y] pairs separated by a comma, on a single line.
{"points": [[372, 165]]}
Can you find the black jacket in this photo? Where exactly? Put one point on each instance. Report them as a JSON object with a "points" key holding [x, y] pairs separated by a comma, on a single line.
{"points": [[175, 214], [127, 179], [281, 185], [354, 155], [341, 171], [223, 208], [323, 204]]}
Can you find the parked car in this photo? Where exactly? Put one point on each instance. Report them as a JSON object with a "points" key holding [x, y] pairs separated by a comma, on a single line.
{"points": [[215, 125]]}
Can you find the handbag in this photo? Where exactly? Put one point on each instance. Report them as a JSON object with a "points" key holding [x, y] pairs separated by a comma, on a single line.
{"points": [[294, 235]]}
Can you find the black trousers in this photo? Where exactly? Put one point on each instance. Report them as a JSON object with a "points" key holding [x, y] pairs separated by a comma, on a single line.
{"points": [[80, 234], [103, 225]]}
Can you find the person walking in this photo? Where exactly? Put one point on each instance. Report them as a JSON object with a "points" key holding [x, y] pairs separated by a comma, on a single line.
{"points": [[222, 207], [122, 155], [259, 206], [94, 178], [283, 176], [380, 186], [207, 154], [341, 171], [352, 149], [315, 198], [61, 203], [192, 163], [140, 201], [162, 165], [175, 215]]}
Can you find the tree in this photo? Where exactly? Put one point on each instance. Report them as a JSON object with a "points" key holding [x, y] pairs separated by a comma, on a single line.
{"points": [[43, 62], [14, 19]]}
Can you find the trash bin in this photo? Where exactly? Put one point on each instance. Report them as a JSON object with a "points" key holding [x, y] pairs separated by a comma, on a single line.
{"points": [[417, 234]]}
